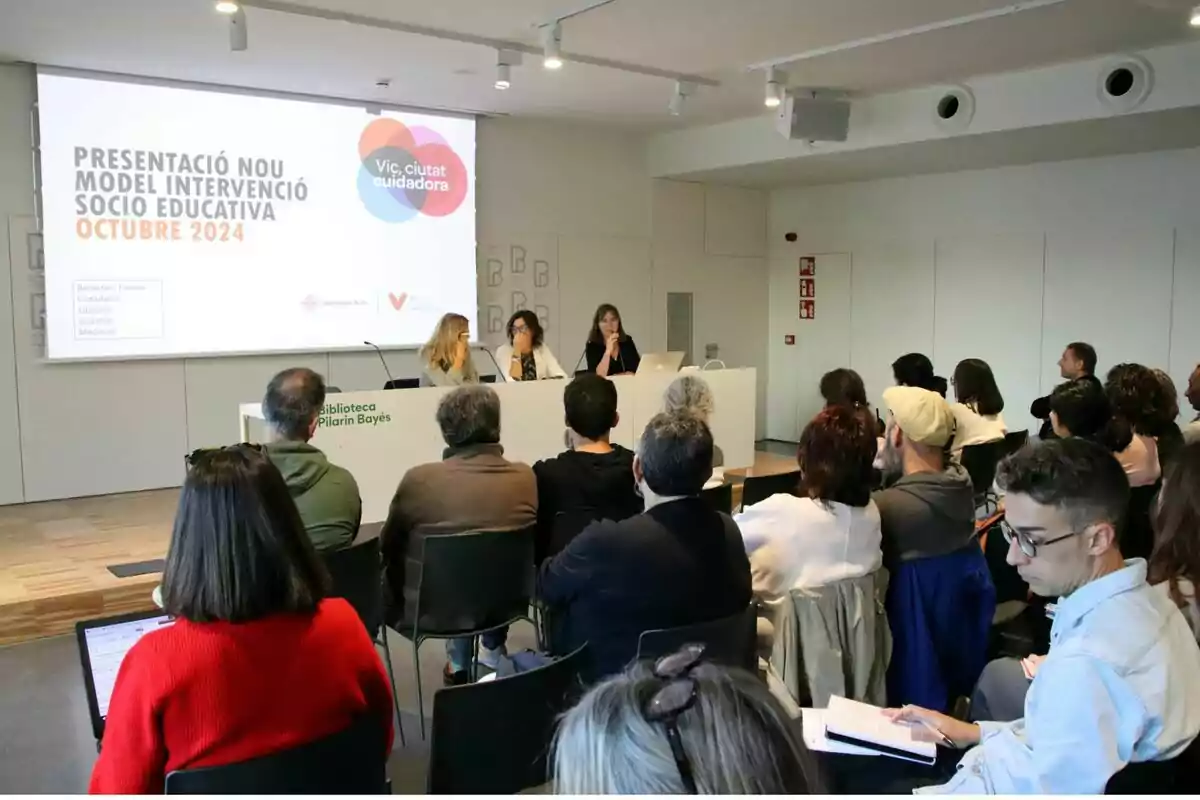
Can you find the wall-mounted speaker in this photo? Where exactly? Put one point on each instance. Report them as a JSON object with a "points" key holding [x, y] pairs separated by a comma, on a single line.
{"points": [[954, 109], [814, 117], [1124, 83]]}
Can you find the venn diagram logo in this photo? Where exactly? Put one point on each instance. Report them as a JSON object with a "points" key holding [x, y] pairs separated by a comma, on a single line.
{"points": [[408, 171]]}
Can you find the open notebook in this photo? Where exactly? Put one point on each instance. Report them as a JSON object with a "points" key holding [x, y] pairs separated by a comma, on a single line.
{"points": [[848, 722]]}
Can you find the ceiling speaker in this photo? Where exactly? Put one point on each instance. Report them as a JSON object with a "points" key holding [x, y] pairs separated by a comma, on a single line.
{"points": [[1124, 83], [814, 117]]}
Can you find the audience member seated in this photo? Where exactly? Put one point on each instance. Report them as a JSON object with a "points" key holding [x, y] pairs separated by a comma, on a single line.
{"points": [[1119, 683], [1192, 432], [681, 727], [690, 394], [678, 563], [843, 387], [593, 479], [940, 598], [1081, 409], [829, 533], [326, 495], [258, 659], [526, 356], [1169, 436], [915, 369], [977, 413], [472, 488], [446, 357], [1175, 564], [1077, 363], [1135, 395]]}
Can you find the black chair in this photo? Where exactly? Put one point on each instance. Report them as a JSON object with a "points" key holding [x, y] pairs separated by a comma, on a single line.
{"points": [[356, 575], [1137, 534], [720, 498], [980, 462], [728, 640], [494, 737], [352, 761], [470, 584], [1179, 775], [757, 489], [1014, 441]]}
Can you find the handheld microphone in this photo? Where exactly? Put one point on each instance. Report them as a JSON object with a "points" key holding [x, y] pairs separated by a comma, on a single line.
{"points": [[388, 372]]}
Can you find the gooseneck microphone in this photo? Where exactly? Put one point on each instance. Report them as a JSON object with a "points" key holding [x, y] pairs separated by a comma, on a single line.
{"points": [[388, 372]]}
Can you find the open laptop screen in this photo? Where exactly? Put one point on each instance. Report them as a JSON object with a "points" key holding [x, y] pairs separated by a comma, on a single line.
{"points": [[103, 644]]}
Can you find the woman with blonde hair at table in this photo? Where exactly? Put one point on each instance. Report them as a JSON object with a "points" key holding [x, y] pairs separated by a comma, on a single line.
{"points": [[446, 357]]}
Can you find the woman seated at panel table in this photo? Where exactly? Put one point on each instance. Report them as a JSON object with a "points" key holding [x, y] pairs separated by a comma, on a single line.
{"points": [[526, 357], [610, 351], [258, 659], [979, 403], [446, 357]]}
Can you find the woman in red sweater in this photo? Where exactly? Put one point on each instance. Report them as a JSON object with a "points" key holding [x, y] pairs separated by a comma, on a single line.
{"points": [[258, 659]]}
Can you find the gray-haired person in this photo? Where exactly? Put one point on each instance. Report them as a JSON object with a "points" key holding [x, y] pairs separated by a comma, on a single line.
{"points": [[472, 488], [326, 495], [691, 394]]}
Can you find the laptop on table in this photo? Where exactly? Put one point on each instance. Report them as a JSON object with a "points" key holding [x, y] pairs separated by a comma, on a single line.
{"points": [[103, 644], [661, 362]]}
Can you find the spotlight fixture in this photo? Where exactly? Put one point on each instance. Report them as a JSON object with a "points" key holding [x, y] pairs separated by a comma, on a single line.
{"points": [[682, 90], [238, 40], [503, 77], [551, 46], [775, 80], [226, 7], [505, 61], [1196, 17]]}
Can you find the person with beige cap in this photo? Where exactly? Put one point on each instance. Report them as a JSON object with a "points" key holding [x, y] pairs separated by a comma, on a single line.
{"points": [[940, 597]]}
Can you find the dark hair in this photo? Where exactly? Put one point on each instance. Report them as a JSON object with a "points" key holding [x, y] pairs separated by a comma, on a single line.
{"points": [[1077, 476], [531, 321], [915, 369], [1085, 353], [591, 405], [676, 452], [843, 387], [1083, 408], [239, 551], [836, 453], [601, 312], [293, 400], [974, 384], [470, 415], [1177, 524], [1137, 395]]}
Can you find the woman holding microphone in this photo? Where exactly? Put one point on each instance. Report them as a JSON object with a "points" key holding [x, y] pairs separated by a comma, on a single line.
{"points": [[610, 351], [526, 357]]}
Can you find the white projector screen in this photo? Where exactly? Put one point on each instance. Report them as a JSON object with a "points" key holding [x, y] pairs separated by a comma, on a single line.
{"points": [[181, 221]]}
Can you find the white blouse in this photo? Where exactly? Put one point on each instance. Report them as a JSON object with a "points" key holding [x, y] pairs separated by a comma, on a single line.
{"points": [[545, 362], [801, 543], [971, 427]]}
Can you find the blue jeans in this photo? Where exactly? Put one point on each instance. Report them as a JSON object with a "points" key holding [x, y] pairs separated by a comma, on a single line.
{"points": [[458, 651]]}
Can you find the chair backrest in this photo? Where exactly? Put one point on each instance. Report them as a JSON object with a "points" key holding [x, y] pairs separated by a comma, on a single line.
{"points": [[728, 640], [476, 580], [757, 489], [357, 576], [720, 498], [1137, 534], [352, 761], [980, 462], [1014, 441], [494, 737]]}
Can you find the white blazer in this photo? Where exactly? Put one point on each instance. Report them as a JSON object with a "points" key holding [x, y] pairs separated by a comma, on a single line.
{"points": [[547, 365]]}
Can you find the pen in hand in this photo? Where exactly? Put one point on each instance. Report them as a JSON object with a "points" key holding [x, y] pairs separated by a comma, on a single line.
{"points": [[943, 738]]}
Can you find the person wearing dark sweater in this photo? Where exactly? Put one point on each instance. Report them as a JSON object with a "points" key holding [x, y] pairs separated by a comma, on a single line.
{"points": [[593, 479], [610, 351], [258, 659], [1078, 363], [678, 563]]}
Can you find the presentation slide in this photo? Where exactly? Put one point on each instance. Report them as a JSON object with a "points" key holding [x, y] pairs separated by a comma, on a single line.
{"points": [[182, 221]]}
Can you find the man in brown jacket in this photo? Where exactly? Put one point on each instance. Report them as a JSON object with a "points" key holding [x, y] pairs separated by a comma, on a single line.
{"points": [[472, 488]]}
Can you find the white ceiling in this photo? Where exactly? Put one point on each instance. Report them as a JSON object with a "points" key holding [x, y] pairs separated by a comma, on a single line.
{"points": [[187, 39]]}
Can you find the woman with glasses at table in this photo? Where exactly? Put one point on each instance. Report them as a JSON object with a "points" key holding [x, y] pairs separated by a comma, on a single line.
{"points": [[259, 659], [526, 356], [682, 726]]}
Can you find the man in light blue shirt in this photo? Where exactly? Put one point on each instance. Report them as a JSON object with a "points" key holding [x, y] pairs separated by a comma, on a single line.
{"points": [[1121, 682]]}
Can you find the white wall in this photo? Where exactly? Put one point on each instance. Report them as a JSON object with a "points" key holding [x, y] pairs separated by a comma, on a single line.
{"points": [[1007, 265], [566, 215]]}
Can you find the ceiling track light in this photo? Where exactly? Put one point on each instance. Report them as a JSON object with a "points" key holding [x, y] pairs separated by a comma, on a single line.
{"points": [[505, 61], [226, 7], [503, 76], [1195, 20], [552, 46], [682, 90], [238, 38], [775, 88]]}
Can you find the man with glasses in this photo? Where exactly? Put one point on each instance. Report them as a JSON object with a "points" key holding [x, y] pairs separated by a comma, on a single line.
{"points": [[1121, 683]]}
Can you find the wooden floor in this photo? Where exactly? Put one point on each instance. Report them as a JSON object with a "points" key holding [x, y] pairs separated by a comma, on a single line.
{"points": [[54, 556]]}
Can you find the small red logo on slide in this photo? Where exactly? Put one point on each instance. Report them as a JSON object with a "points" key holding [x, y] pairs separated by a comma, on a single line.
{"points": [[397, 300]]}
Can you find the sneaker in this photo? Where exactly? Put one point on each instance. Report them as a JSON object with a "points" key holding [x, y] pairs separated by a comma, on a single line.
{"points": [[491, 658], [452, 677]]}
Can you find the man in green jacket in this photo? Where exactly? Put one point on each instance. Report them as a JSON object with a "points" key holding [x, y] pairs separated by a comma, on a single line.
{"points": [[326, 495]]}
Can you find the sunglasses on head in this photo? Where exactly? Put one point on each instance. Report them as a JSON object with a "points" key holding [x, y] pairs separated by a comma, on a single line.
{"points": [[677, 695], [202, 454]]}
